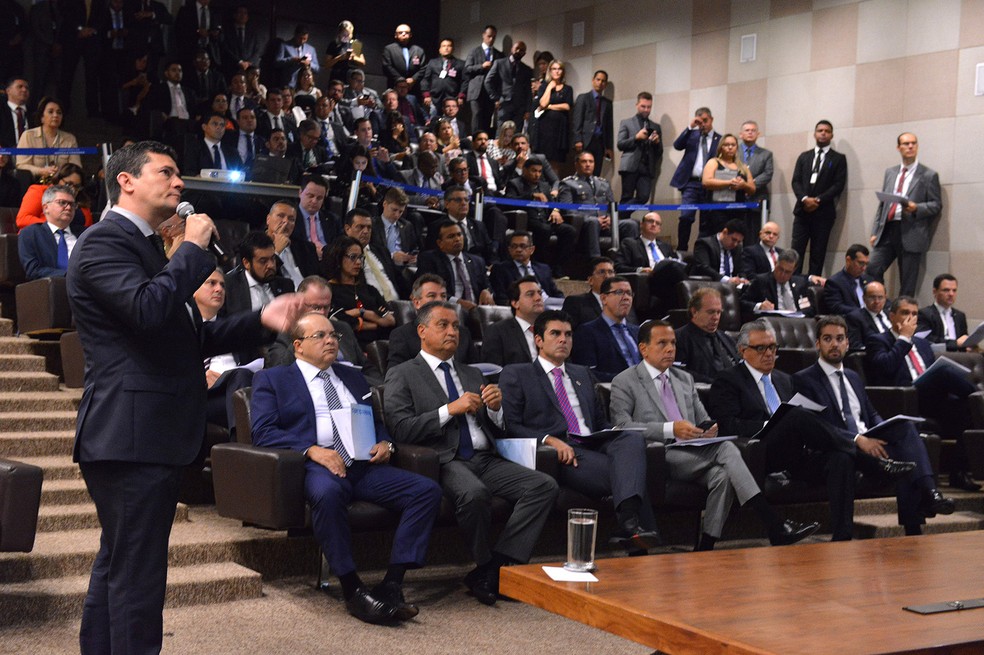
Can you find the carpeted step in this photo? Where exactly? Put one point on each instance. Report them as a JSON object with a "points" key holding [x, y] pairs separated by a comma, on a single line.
{"points": [[62, 518], [887, 525], [20, 381], [55, 467], [965, 501], [64, 492], [6, 327], [41, 401], [37, 422], [36, 444], [16, 345], [26, 363], [61, 598]]}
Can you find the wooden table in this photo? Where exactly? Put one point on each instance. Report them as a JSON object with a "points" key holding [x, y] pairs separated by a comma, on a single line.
{"points": [[818, 598]]}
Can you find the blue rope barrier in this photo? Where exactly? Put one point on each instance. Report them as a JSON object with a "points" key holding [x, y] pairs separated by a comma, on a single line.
{"points": [[49, 151]]}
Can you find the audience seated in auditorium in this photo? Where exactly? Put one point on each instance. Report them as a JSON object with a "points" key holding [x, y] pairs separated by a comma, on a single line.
{"points": [[493, 219], [273, 116], [296, 257], [585, 188], [314, 222], [404, 342], [587, 306], [395, 233], [844, 290], [476, 237], [608, 344], [254, 282], [649, 255], [702, 348], [946, 323], [463, 273], [543, 223], [519, 264], [30, 211], [511, 341], [354, 300], [719, 255], [779, 290], [44, 248], [435, 401], [868, 320], [334, 477], [47, 135], [379, 269], [211, 151]]}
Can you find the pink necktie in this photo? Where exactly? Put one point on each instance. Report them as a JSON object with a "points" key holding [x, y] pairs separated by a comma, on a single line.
{"points": [[564, 402]]}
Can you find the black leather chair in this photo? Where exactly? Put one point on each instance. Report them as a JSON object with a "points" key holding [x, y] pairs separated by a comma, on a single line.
{"points": [[20, 499], [796, 338], [730, 307], [72, 360], [42, 307], [377, 352], [482, 316]]}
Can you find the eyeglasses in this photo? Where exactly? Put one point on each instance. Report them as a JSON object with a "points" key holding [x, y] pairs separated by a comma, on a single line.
{"points": [[771, 348], [621, 292], [69, 204], [316, 308], [321, 336], [354, 257]]}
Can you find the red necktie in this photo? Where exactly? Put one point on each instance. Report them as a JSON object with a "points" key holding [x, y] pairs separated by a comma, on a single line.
{"points": [[898, 191], [21, 123], [481, 163], [772, 254], [915, 361]]}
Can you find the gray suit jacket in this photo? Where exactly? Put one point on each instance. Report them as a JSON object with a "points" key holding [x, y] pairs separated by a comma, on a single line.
{"points": [[636, 401], [761, 167], [632, 150], [411, 402], [924, 190]]}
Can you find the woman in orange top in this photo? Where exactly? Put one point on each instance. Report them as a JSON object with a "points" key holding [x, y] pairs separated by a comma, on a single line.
{"points": [[68, 174]]}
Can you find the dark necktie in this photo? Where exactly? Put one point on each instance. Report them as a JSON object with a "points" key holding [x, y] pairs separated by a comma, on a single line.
{"points": [[21, 122], [465, 447], [881, 322], [203, 19], [216, 157], [727, 263], [250, 155], [62, 262], [720, 359], [816, 160], [565, 403], [242, 39], [748, 153], [331, 396], [703, 147], [459, 271], [157, 242], [852, 425]]}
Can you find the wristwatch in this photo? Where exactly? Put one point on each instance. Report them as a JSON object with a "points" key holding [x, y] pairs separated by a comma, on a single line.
{"points": [[392, 448]]}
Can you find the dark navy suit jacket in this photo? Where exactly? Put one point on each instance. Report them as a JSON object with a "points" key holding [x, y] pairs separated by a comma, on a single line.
{"points": [[887, 356], [530, 404], [839, 295], [283, 412], [435, 261], [505, 273], [812, 382], [689, 142], [37, 248], [595, 346]]}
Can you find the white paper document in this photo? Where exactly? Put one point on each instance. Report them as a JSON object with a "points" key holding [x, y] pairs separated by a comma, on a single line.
{"points": [[521, 451], [891, 198], [356, 429], [799, 400], [895, 420], [975, 337], [560, 574], [702, 441]]}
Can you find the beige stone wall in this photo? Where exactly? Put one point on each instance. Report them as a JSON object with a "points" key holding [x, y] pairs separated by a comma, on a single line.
{"points": [[873, 68]]}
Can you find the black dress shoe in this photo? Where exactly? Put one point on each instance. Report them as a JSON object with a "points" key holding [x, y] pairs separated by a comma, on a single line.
{"points": [[392, 593], [484, 584], [369, 608], [894, 468], [963, 480], [936, 503], [635, 539], [789, 532]]}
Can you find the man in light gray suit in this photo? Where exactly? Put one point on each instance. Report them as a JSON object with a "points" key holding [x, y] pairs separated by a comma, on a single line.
{"points": [[661, 398], [759, 162], [641, 145], [903, 231], [432, 400]]}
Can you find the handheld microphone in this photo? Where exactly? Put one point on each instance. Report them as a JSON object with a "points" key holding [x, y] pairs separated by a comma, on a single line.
{"points": [[186, 209]]}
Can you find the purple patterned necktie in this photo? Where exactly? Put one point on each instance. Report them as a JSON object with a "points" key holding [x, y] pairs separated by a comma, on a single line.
{"points": [[669, 400], [564, 401]]}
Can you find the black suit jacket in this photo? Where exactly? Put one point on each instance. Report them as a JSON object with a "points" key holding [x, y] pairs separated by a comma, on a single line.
{"points": [[930, 319], [763, 287], [396, 68], [475, 74], [264, 125], [515, 91], [404, 345], [830, 183], [237, 291], [885, 359], [199, 156], [755, 261], [595, 346], [8, 133], [695, 350], [812, 382], [233, 51], [159, 98], [331, 226], [840, 295], [435, 261], [860, 326], [736, 403], [632, 256], [450, 86], [305, 256], [473, 170], [503, 343], [204, 85], [505, 273], [143, 349], [707, 258], [583, 120], [585, 307]]}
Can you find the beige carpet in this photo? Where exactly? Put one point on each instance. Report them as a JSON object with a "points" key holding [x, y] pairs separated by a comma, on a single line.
{"points": [[294, 618]]}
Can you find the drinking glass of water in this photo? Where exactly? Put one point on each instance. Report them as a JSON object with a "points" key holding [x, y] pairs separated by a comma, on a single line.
{"points": [[582, 527]]}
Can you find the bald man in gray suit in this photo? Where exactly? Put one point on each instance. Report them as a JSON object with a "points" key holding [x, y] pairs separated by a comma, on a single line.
{"points": [[676, 414]]}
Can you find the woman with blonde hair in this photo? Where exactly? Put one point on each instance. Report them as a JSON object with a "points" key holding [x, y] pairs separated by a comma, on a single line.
{"points": [[728, 179]]}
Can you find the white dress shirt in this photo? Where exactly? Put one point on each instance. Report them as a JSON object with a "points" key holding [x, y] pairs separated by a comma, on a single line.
{"points": [[479, 440], [322, 415], [527, 329], [259, 293], [548, 367], [654, 374], [831, 372], [70, 238]]}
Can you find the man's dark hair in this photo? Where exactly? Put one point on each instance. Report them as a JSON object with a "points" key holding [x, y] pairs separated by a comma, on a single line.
{"points": [[606, 286], [360, 121], [702, 111], [242, 109], [457, 161], [830, 319], [514, 287], [485, 132], [213, 114], [301, 29], [454, 188], [520, 233], [942, 277], [424, 313], [540, 324], [131, 159], [736, 226], [352, 213], [644, 95], [646, 329], [252, 242], [492, 27], [594, 261], [307, 125], [314, 179], [419, 283], [856, 248], [824, 122], [444, 223], [600, 70], [908, 300], [447, 38]]}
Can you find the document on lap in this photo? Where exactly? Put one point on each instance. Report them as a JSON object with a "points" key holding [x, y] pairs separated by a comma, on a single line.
{"points": [[701, 441], [520, 451], [888, 423], [601, 435], [356, 429]]}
